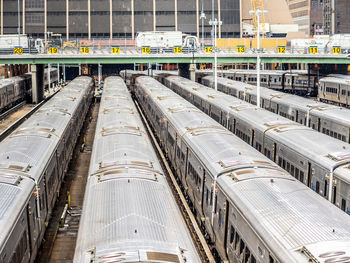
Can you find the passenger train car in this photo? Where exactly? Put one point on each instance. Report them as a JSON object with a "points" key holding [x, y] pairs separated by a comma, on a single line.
{"points": [[129, 212], [294, 147], [13, 90], [252, 210], [16, 89], [335, 89], [328, 119], [33, 161], [294, 81]]}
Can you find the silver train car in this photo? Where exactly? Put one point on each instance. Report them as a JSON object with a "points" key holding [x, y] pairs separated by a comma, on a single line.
{"points": [[293, 81], [335, 89], [17, 89], [294, 147], [13, 90], [129, 212], [33, 160], [328, 119], [253, 210]]}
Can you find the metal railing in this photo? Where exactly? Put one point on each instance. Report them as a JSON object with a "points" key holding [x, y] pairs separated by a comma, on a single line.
{"points": [[129, 47]]}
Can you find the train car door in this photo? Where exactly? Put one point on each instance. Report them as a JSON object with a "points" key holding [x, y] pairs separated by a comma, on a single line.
{"points": [[274, 151], [252, 138], [309, 174], [203, 190]]}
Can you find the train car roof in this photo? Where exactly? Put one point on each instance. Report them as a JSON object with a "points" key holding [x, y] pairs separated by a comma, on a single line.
{"points": [[129, 210], [287, 214], [296, 136], [15, 190], [340, 114]]}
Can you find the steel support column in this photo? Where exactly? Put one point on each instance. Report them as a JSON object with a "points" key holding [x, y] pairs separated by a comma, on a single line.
{"points": [[37, 82]]}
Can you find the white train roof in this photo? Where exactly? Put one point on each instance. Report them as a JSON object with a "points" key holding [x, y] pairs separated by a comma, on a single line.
{"points": [[129, 212]]}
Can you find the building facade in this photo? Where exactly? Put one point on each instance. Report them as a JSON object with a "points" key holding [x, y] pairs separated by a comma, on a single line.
{"points": [[308, 15], [336, 18], [117, 18]]}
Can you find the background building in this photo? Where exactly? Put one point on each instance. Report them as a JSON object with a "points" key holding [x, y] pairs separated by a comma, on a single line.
{"points": [[117, 18], [308, 15], [278, 21], [336, 16]]}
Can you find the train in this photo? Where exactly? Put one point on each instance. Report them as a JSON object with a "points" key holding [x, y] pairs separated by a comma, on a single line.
{"points": [[328, 119], [129, 212], [294, 81], [332, 88], [252, 210], [292, 146], [33, 162], [335, 88], [17, 89]]}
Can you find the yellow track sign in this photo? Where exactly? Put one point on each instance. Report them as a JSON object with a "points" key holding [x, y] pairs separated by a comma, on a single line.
{"points": [[115, 49], [240, 49], [84, 50], [281, 49], [336, 50], [18, 50], [313, 50], [146, 49], [208, 49], [177, 49], [53, 50]]}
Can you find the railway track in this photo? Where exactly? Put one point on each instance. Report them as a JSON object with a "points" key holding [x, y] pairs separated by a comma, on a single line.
{"points": [[12, 110], [192, 224]]}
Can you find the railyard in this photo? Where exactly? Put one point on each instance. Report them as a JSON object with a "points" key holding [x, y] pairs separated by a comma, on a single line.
{"points": [[175, 166], [201, 187], [175, 131]]}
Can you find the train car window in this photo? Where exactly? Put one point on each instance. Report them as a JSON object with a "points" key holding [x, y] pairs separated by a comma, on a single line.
{"points": [[207, 196], [246, 255], [211, 197], [232, 234], [302, 176], [288, 166], [343, 204], [236, 241], [331, 133], [343, 138], [292, 169], [241, 247], [339, 136], [283, 163], [252, 259], [21, 248], [317, 186], [216, 205], [325, 187], [334, 194], [178, 152], [279, 161], [296, 173]]}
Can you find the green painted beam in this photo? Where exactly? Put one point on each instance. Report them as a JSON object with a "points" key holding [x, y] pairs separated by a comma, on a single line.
{"points": [[172, 58]]}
